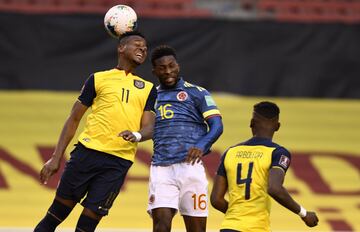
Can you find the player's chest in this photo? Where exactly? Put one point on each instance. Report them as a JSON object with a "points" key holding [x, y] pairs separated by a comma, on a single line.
{"points": [[171, 104], [122, 90]]}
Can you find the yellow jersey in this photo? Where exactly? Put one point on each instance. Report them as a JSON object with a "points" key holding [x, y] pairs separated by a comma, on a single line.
{"points": [[246, 167], [117, 101]]}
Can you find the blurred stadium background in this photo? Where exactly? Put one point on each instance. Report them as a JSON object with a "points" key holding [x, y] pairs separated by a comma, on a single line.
{"points": [[302, 54]]}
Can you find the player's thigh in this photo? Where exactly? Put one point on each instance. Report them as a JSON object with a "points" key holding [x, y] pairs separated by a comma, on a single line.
{"points": [[105, 186], [75, 178], [193, 190], [163, 189], [163, 215]]}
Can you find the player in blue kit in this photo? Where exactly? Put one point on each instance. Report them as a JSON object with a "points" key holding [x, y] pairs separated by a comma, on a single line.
{"points": [[187, 124]]}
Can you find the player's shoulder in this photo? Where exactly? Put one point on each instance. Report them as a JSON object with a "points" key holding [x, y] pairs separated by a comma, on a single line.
{"points": [[104, 73], [192, 87]]}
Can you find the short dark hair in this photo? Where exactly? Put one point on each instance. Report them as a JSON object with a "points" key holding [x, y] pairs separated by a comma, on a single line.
{"points": [[267, 109], [160, 51], [122, 37]]}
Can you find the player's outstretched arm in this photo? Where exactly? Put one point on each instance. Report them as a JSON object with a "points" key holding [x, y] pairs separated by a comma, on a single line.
{"points": [[67, 133], [217, 197], [282, 196], [145, 132]]}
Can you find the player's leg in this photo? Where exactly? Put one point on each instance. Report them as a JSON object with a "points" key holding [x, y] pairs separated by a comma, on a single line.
{"points": [[162, 219], [58, 211], [103, 189], [88, 221], [64, 201], [163, 197], [195, 224], [193, 196]]}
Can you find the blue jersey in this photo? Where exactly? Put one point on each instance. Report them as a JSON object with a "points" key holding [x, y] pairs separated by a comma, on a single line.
{"points": [[180, 121]]}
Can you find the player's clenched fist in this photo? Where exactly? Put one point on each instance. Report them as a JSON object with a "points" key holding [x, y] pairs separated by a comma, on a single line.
{"points": [[310, 219]]}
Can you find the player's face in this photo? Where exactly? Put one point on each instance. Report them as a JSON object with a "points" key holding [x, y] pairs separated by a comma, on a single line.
{"points": [[167, 70], [136, 49]]}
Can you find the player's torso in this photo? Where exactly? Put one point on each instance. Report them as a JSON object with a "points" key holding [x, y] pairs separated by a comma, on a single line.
{"points": [[118, 105], [179, 123], [247, 169]]}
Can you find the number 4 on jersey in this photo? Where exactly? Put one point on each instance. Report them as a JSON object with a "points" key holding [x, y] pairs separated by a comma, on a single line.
{"points": [[247, 181]]}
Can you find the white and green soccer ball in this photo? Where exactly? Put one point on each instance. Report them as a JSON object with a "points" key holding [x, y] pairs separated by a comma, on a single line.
{"points": [[120, 19]]}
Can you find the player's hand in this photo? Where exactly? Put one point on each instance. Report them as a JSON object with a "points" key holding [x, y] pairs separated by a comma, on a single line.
{"points": [[49, 169], [128, 136], [194, 155], [310, 219]]}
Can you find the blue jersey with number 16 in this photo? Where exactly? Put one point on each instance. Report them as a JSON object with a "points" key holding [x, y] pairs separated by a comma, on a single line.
{"points": [[180, 121]]}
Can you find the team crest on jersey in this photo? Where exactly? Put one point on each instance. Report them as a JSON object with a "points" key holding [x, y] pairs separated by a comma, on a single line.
{"points": [[284, 161], [139, 84], [182, 96]]}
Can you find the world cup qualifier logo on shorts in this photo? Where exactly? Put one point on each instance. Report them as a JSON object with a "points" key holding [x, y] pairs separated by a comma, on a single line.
{"points": [[182, 96]]}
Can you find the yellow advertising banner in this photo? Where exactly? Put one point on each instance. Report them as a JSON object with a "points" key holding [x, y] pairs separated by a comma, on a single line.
{"points": [[322, 135]]}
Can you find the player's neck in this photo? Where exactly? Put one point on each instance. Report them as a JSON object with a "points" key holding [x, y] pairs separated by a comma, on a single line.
{"points": [[264, 135], [128, 68]]}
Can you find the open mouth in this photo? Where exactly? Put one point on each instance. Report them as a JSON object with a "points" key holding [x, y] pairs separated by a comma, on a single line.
{"points": [[139, 55]]}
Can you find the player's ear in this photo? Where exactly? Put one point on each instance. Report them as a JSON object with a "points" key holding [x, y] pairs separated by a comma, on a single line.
{"points": [[277, 127], [121, 48], [252, 123]]}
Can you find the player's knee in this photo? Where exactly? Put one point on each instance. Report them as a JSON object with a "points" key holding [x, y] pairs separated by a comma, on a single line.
{"points": [[55, 215], [162, 226], [86, 223]]}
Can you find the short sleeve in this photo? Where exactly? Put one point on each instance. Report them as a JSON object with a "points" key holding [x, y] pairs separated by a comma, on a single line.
{"points": [[281, 158], [88, 92], [207, 105], [221, 169], [150, 103]]}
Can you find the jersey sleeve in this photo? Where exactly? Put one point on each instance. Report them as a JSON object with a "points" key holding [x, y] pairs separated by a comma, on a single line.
{"points": [[88, 92], [221, 169], [207, 105], [150, 103], [281, 158]]}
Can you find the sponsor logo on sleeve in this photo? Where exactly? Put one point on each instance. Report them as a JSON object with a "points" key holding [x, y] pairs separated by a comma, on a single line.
{"points": [[209, 101], [284, 161]]}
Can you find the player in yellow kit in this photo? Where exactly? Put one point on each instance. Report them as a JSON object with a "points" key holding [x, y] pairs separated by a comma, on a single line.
{"points": [[122, 114], [253, 171]]}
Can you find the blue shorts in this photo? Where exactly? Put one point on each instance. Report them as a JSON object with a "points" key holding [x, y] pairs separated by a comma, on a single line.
{"points": [[95, 174]]}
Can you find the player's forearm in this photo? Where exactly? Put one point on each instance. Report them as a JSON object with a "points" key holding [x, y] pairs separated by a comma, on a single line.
{"points": [[65, 138], [282, 196], [146, 132], [215, 130], [219, 204]]}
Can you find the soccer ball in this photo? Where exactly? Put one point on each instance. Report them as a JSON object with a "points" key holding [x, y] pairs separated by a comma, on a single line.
{"points": [[120, 19]]}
